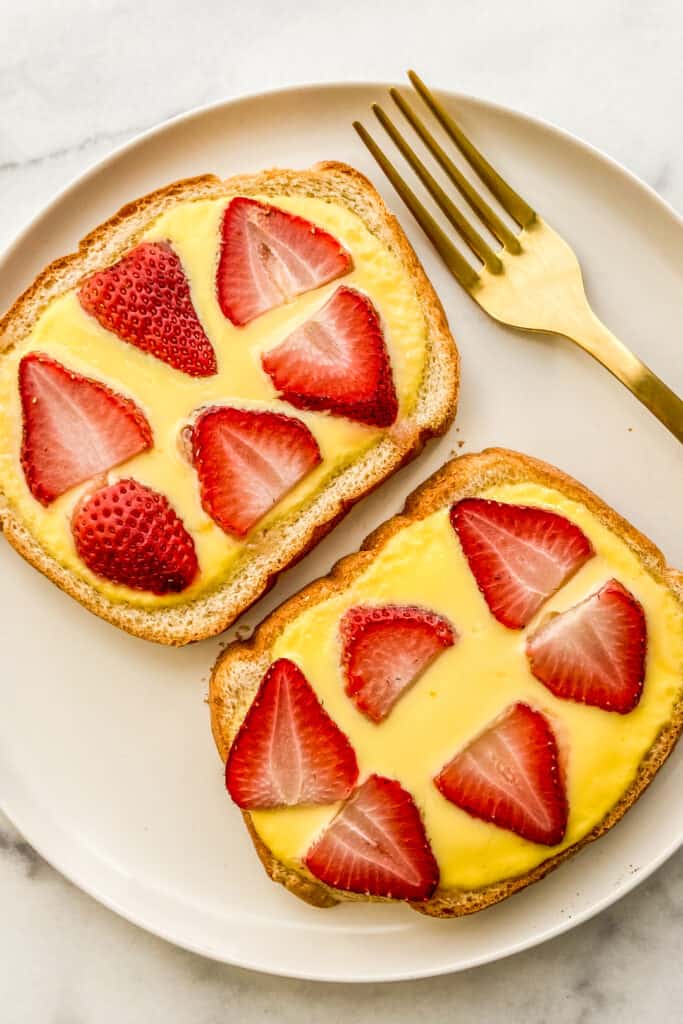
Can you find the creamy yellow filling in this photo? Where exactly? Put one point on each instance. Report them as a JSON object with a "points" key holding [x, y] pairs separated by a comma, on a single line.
{"points": [[168, 397], [472, 683]]}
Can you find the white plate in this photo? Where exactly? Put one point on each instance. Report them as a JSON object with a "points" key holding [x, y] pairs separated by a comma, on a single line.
{"points": [[106, 759]]}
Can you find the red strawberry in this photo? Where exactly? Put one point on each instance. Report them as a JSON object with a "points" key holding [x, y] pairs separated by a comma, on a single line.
{"points": [[337, 362], [269, 256], [384, 651], [594, 652], [130, 534], [247, 461], [519, 555], [145, 299], [288, 750], [74, 427], [376, 845], [510, 776]]}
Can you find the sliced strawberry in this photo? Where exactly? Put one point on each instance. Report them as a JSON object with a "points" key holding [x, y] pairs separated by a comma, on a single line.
{"points": [[130, 534], [74, 427], [269, 256], [288, 750], [519, 555], [376, 845], [337, 362], [145, 299], [594, 653], [510, 776], [385, 649], [247, 461]]}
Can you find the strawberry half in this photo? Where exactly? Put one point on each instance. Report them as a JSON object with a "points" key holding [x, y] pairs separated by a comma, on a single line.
{"points": [[337, 362], [247, 461], [376, 845], [288, 750], [519, 555], [385, 649], [130, 534], [510, 776], [269, 256], [145, 299], [74, 427], [594, 653]]}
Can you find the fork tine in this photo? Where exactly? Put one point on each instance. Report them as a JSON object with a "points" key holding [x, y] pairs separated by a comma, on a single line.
{"points": [[476, 243], [507, 197], [454, 260], [502, 232]]}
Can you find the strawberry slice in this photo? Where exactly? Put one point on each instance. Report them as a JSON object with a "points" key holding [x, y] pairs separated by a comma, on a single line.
{"points": [[130, 534], [510, 776], [594, 653], [247, 461], [376, 845], [288, 750], [74, 427], [269, 256], [385, 649], [518, 555], [337, 362], [145, 299]]}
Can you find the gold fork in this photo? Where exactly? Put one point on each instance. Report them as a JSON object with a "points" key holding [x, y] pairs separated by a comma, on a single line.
{"points": [[533, 281]]}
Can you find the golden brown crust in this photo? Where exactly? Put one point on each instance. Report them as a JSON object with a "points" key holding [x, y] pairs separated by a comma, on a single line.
{"points": [[239, 669], [289, 541]]}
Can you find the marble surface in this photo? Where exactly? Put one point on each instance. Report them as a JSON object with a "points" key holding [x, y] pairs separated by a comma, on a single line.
{"points": [[80, 77]]}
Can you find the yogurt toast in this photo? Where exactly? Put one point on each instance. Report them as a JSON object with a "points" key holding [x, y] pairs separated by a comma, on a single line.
{"points": [[488, 685], [190, 401]]}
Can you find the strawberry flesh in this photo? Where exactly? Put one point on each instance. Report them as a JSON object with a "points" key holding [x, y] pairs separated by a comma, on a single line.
{"points": [[594, 653], [145, 300], [288, 750], [130, 534], [519, 555], [376, 846], [247, 461], [385, 649], [337, 362], [269, 256], [510, 776], [74, 428]]}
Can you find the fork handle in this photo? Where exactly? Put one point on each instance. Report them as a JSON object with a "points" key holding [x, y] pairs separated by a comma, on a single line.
{"points": [[592, 335]]}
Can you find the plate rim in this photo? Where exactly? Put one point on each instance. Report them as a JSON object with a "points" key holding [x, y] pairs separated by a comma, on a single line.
{"points": [[59, 861], [205, 108]]}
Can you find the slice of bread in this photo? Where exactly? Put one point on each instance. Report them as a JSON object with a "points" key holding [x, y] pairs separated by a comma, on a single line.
{"points": [[291, 537], [240, 668]]}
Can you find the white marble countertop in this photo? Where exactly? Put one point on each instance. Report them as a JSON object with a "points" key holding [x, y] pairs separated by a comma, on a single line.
{"points": [[80, 77]]}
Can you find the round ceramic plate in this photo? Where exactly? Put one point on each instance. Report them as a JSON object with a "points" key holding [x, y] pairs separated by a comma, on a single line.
{"points": [[106, 759]]}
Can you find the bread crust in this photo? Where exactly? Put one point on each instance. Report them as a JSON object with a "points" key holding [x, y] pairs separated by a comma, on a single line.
{"points": [[239, 669], [289, 540]]}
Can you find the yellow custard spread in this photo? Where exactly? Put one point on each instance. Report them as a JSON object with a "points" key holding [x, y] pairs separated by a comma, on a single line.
{"points": [[169, 397], [471, 683]]}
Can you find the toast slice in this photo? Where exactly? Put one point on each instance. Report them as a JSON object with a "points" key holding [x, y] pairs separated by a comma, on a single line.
{"points": [[484, 854], [284, 538]]}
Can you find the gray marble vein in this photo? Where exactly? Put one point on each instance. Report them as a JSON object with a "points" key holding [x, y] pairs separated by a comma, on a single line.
{"points": [[12, 845], [102, 139], [79, 78]]}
